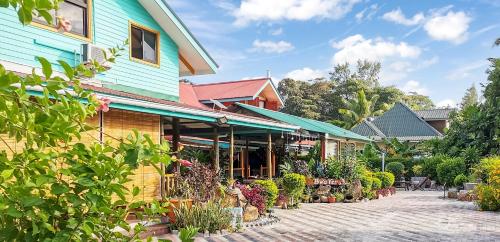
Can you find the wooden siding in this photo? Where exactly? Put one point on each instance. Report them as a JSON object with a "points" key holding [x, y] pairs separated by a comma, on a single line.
{"points": [[119, 124], [21, 44]]}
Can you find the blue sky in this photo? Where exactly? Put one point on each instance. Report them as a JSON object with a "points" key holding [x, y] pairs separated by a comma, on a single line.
{"points": [[435, 48]]}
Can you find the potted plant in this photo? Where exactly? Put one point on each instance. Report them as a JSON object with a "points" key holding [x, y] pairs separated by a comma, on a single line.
{"points": [[316, 199], [331, 198], [339, 197], [324, 198]]}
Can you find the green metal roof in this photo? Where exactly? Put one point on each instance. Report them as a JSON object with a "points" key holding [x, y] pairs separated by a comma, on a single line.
{"points": [[306, 124], [399, 122]]}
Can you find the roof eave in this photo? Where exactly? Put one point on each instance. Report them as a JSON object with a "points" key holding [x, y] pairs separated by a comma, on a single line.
{"points": [[189, 47]]}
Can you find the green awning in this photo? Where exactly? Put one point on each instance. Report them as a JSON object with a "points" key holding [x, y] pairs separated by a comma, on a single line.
{"points": [[306, 124]]}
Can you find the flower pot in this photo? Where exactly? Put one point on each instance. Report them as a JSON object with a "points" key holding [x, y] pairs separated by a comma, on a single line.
{"points": [[176, 203], [324, 199], [332, 199]]}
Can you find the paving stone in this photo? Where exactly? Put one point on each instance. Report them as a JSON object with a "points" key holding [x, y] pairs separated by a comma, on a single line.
{"points": [[407, 216]]}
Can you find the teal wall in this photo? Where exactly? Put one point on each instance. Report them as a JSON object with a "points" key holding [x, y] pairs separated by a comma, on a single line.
{"points": [[21, 44]]}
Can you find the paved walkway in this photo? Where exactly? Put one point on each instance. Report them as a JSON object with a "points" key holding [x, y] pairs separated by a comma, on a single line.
{"points": [[407, 216]]}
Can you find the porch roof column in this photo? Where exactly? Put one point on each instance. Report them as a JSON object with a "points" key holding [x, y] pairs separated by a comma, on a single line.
{"points": [[231, 153], [216, 150], [269, 156]]}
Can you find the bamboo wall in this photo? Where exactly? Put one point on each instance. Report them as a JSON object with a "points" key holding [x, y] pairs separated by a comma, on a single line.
{"points": [[119, 124]]}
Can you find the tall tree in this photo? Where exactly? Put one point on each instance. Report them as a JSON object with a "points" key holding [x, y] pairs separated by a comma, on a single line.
{"points": [[418, 102], [348, 81], [470, 98], [359, 109]]}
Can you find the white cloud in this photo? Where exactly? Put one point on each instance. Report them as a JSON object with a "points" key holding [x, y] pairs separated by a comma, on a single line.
{"points": [[446, 103], [305, 74], [450, 27], [271, 47], [414, 87], [302, 10], [398, 17], [367, 13], [276, 32], [466, 71], [356, 47]]}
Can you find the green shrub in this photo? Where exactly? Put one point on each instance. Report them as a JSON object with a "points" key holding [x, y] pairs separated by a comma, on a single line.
{"points": [[488, 197], [376, 183], [367, 181], [386, 178], [339, 197], [333, 168], [396, 168], [417, 170], [211, 216], [460, 180], [449, 169], [430, 164], [271, 191], [294, 184], [486, 166]]}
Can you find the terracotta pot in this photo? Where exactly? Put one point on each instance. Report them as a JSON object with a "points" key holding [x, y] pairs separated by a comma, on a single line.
{"points": [[324, 199], [332, 199], [176, 203]]}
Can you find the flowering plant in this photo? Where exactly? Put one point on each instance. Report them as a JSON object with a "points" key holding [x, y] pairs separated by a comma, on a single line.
{"points": [[255, 196]]}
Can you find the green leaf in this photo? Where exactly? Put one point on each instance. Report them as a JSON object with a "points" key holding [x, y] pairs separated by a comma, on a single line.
{"points": [[31, 201], [24, 15], [46, 67], [136, 191], [67, 69], [58, 189], [46, 15], [44, 4], [13, 212], [6, 174]]}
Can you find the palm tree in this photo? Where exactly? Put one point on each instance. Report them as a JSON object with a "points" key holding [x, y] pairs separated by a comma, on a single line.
{"points": [[359, 109]]}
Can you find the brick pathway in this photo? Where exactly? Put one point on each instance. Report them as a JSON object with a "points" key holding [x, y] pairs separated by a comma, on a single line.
{"points": [[407, 216]]}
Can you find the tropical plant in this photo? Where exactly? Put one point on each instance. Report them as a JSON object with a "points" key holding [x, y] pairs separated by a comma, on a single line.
{"points": [[286, 168], [489, 191], [430, 164], [201, 181], [339, 197], [449, 169], [294, 185], [396, 168], [460, 180], [53, 186], [333, 168], [376, 183], [359, 109], [187, 234], [256, 196], [386, 178], [417, 170], [301, 167], [210, 216], [270, 190]]}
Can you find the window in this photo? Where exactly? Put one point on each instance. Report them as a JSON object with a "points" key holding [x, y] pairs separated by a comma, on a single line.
{"points": [[144, 44], [262, 104], [76, 12]]}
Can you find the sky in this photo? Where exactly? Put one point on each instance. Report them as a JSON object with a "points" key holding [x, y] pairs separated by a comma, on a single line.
{"points": [[433, 47]]}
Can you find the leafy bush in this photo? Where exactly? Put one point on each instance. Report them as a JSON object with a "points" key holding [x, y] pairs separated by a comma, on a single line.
{"points": [[333, 168], [489, 193], [386, 178], [460, 180], [203, 182], [417, 170], [376, 183], [396, 168], [449, 169], [488, 197], [367, 181], [256, 196], [301, 167], [339, 197], [486, 166], [210, 216], [187, 234], [271, 191], [430, 164], [294, 184]]}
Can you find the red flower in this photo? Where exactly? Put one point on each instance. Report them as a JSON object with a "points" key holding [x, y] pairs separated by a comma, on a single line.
{"points": [[185, 163], [103, 104]]}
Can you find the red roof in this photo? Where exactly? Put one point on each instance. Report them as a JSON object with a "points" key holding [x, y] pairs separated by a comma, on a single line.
{"points": [[188, 95], [229, 90]]}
